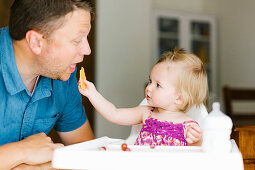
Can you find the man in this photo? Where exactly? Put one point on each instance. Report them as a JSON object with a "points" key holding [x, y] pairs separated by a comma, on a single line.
{"points": [[38, 56]]}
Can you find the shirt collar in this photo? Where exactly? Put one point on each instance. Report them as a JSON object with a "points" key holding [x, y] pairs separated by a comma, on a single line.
{"points": [[11, 76], [43, 88]]}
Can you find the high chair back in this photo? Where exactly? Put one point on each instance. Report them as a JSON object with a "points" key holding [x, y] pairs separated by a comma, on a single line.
{"points": [[197, 113]]}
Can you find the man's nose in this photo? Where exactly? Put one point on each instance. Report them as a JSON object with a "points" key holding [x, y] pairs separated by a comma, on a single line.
{"points": [[85, 50]]}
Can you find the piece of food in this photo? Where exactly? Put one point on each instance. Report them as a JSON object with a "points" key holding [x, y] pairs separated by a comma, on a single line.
{"points": [[124, 147], [82, 77], [152, 146], [102, 148], [128, 149]]}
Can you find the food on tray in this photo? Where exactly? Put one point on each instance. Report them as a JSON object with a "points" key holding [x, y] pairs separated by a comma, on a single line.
{"points": [[128, 149], [152, 146], [82, 77], [124, 147], [102, 148]]}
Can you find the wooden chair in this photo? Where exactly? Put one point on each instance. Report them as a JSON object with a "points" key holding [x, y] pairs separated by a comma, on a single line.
{"points": [[241, 95], [245, 139]]}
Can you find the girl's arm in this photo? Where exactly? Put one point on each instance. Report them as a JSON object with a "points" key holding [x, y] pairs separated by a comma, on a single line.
{"points": [[122, 116]]}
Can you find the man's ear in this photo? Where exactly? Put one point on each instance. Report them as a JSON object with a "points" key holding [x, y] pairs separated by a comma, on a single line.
{"points": [[35, 41]]}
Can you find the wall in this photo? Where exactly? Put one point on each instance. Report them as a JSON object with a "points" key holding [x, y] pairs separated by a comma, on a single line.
{"points": [[196, 6], [236, 35], [124, 49], [4, 12], [123, 55]]}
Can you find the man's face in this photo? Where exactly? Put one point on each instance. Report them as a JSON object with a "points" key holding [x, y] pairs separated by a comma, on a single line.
{"points": [[66, 46]]}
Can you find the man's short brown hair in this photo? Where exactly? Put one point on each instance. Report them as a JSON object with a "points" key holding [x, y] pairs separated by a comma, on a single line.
{"points": [[44, 16]]}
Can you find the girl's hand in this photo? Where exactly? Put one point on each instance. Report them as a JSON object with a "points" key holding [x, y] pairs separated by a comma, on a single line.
{"points": [[194, 134], [90, 88]]}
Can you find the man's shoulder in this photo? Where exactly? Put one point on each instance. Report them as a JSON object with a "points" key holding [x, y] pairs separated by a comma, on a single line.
{"points": [[4, 31], [5, 41], [4, 46]]}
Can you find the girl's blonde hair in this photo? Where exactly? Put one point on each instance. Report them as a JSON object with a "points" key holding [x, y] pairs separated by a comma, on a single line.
{"points": [[192, 80]]}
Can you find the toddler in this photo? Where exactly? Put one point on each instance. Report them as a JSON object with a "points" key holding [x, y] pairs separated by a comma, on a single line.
{"points": [[176, 83]]}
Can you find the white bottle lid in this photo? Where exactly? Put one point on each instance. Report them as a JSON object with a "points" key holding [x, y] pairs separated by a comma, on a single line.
{"points": [[217, 119]]}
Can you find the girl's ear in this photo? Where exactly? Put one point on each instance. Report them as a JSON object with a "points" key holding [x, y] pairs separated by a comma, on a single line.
{"points": [[34, 41], [179, 99]]}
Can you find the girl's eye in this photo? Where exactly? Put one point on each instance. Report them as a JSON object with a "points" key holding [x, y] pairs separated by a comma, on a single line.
{"points": [[158, 85]]}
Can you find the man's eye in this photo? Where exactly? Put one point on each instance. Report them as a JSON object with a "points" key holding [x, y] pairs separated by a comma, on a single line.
{"points": [[77, 42], [158, 85]]}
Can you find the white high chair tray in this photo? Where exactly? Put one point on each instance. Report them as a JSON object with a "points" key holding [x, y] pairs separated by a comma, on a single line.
{"points": [[86, 155]]}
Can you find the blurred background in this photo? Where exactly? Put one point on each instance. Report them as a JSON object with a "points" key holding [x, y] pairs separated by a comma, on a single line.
{"points": [[128, 37]]}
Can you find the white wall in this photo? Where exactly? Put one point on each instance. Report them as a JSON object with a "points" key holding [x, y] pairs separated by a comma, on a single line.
{"points": [[236, 36], [236, 29], [196, 6], [123, 55]]}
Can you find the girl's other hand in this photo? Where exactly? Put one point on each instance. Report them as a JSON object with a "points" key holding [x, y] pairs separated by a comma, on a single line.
{"points": [[194, 135]]}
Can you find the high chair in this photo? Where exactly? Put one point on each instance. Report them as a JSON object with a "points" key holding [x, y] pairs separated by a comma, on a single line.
{"points": [[197, 113], [90, 156]]}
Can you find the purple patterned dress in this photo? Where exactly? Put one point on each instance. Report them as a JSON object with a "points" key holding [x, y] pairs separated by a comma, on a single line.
{"points": [[165, 133]]}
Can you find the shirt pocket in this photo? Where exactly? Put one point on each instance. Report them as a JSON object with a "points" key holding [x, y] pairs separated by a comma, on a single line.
{"points": [[45, 125]]}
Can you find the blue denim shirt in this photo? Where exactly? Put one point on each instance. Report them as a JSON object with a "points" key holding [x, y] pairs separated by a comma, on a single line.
{"points": [[54, 103]]}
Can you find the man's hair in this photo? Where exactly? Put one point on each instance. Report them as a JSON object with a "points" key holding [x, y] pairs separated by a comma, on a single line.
{"points": [[192, 79], [44, 16]]}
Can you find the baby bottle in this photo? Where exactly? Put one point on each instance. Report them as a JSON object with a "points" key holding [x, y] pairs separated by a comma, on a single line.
{"points": [[216, 131]]}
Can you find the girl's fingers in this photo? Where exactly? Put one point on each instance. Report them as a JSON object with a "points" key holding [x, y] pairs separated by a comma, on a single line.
{"points": [[189, 140], [86, 81], [193, 134], [191, 137], [196, 128]]}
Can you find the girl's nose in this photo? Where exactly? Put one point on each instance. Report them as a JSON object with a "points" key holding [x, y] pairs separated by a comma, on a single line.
{"points": [[148, 87]]}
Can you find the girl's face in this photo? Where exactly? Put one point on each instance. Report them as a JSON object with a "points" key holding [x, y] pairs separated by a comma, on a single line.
{"points": [[161, 91]]}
